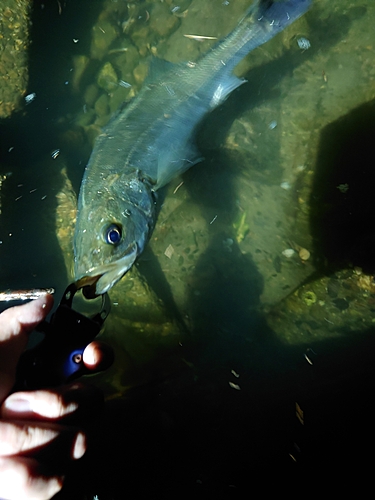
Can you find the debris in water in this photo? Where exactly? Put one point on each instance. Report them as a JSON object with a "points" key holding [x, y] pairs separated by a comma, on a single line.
{"points": [[234, 386], [200, 38], [299, 414], [288, 252], [303, 43], [169, 251], [30, 97]]}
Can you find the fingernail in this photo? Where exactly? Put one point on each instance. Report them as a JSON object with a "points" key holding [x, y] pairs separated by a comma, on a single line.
{"points": [[90, 356], [17, 404], [79, 446]]}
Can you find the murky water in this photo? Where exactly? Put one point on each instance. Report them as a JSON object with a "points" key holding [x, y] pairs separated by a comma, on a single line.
{"points": [[244, 338]]}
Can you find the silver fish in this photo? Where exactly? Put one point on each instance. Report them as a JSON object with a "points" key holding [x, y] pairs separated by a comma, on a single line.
{"points": [[151, 141]]}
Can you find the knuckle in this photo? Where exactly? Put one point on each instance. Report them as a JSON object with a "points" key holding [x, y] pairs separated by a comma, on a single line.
{"points": [[52, 405]]}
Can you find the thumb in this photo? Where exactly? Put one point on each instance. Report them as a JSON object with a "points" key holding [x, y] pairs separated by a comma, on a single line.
{"points": [[15, 323]]}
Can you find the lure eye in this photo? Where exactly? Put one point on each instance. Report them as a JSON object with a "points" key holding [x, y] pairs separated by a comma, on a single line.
{"points": [[112, 234]]}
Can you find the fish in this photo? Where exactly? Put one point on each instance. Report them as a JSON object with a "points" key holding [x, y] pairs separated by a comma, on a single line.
{"points": [[151, 141]]}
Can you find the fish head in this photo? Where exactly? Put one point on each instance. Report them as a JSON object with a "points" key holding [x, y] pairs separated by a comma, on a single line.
{"points": [[110, 233]]}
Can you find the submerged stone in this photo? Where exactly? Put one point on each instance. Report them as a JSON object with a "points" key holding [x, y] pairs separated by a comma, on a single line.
{"points": [[107, 78]]}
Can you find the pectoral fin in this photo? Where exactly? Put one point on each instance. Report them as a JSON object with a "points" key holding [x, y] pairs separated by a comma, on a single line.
{"points": [[168, 168]]}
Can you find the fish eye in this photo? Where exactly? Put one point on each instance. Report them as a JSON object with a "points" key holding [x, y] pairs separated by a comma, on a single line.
{"points": [[113, 234]]}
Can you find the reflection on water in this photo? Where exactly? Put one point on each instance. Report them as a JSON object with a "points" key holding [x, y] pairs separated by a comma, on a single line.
{"points": [[244, 336]]}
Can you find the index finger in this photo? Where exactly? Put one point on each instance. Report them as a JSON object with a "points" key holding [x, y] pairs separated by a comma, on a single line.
{"points": [[15, 323]]}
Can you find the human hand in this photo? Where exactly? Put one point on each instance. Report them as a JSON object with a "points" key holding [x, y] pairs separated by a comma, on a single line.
{"points": [[41, 432]]}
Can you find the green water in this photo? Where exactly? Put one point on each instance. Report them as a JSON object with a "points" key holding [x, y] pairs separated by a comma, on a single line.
{"points": [[219, 332]]}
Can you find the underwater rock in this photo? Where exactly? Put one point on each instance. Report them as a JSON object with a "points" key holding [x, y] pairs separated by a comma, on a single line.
{"points": [[80, 64], [101, 105], [107, 78], [103, 34], [14, 40], [162, 20]]}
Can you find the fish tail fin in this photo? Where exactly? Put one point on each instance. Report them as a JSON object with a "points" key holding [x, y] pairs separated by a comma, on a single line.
{"points": [[279, 14], [263, 20]]}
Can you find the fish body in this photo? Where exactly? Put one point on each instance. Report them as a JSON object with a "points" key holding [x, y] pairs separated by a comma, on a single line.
{"points": [[151, 141]]}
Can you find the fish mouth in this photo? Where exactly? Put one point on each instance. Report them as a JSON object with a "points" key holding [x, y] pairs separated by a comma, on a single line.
{"points": [[99, 280]]}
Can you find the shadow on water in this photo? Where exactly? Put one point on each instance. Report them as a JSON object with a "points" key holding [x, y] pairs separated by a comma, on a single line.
{"points": [[342, 211], [202, 437], [228, 283], [226, 275], [342, 199], [229, 276]]}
